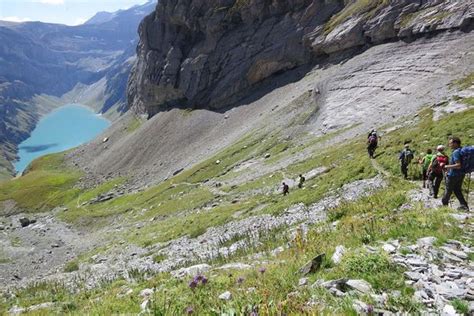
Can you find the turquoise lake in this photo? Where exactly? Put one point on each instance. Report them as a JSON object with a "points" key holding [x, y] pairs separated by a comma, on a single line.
{"points": [[64, 128]]}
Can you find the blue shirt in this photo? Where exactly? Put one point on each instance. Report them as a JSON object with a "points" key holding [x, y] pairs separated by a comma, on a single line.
{"points": [[455, 157]]}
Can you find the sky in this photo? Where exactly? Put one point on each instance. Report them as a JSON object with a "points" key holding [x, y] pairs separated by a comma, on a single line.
{"points": [[70, 12]]}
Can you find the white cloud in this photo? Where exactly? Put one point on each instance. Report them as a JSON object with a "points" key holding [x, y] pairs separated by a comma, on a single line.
{"points": [[79, 21], [52, 2], [14, 19]]}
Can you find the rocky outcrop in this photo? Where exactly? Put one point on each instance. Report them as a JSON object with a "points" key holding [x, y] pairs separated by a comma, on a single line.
{"points": [[209, 54]]}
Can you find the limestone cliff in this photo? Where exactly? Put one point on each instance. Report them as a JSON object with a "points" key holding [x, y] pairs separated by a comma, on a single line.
{"points": [[209, 54]]}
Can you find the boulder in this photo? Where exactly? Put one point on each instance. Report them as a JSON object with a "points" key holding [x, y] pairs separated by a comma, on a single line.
{"points": [[146, 293], [338, 254], [235, 266], [303, 282], [24, 222], [313, 265], [191, 271], [226, 296], [426, 241], [360, 285], [389, 248]]}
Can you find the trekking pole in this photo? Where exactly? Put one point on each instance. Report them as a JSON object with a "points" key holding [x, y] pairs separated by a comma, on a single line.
{"points": [[468, 186]]}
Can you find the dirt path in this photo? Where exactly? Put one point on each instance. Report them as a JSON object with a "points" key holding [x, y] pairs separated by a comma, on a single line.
{"points": [[379, 168]]}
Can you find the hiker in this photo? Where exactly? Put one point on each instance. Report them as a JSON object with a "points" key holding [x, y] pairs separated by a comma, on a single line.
{"points": [[301, 181], [286, 189], [436, 170], [455, 175], [372, 143], [405, 158], [425, 163]]}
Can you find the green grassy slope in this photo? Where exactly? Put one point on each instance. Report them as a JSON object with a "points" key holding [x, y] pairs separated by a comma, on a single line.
{"points": [[173, 202]]}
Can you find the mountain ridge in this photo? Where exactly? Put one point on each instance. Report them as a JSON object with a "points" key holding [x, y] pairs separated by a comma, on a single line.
{"points": [[57, 60]]}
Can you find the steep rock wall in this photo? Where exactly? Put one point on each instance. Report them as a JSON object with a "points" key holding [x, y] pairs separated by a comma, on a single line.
{"points": [[209, 54]]}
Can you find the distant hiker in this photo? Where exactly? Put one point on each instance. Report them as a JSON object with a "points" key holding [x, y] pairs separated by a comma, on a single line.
{"points": [[372, 143], [301, 181], [406, 156], [425, 163], [456, 172], [436, 170], [286, 189], [371, 132]]}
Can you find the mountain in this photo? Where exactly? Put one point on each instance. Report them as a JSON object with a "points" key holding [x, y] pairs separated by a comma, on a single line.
{"points": [[101, 17], [177, 208], [59, 63], [210, 56]]}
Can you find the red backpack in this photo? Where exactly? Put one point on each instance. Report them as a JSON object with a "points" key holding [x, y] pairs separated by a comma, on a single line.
{"points": [[438, 163]]}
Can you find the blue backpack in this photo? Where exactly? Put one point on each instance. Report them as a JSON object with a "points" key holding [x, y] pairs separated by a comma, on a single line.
{"points": [[467, 159]]}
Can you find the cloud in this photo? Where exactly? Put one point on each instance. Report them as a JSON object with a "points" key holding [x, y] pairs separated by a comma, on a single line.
{"points": [[51, 2], [14, 19], [79, 21]]}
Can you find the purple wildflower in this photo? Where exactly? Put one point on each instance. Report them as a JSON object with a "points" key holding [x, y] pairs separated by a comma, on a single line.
{"points": [[189, 310], [262, 270], [370, 309], [193, 284], [198, 278], [240, 280], [204, 280]]}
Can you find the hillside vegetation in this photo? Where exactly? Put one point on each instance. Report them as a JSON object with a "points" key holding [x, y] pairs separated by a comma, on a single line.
{"points": [[203, 197]]}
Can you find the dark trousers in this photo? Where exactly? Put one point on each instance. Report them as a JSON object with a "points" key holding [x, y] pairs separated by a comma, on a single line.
{"points": [[435, 184], [454, 185], [371, 150], [404, 169]]}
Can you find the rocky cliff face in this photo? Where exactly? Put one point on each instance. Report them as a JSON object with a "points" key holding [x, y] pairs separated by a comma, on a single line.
{"points": [[209, 54]]}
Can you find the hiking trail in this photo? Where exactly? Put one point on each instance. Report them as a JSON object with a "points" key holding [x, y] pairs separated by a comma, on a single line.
{"points": [[379, 168]]}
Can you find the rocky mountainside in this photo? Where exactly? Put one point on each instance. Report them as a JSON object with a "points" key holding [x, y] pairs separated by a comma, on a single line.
{"points": [[183, 212], [57, 61], [209, 54], [206, 58]]}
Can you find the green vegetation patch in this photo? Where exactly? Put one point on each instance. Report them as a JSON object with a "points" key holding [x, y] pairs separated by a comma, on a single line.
{"points": [[134, 124], [47, 183], [465, 82], [364, 8]]}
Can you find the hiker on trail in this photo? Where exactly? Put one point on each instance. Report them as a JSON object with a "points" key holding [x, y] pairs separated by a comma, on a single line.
{"points": [[301, 181], [406, 156], [436, 170], [372, 143], [425, 163], [456, 173], [286, 189]]}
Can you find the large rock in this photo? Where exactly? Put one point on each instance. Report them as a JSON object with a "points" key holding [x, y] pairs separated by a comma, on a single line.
{"points": [[191, 271], [338, 254], [360, 285], [313, 265]]}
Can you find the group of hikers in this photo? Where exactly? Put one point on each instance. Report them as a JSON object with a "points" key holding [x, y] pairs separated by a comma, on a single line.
{"points": [[435, 167]]}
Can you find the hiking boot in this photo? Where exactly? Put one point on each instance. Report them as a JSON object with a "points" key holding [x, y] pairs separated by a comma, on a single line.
{"points": [[463, 208]]}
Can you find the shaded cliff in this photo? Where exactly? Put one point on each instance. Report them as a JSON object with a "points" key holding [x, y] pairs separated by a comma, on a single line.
{"points": [[209, 54]]}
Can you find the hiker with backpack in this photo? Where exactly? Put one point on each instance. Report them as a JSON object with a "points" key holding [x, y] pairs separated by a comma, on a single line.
{"points": [[372, 143], [436, 170], [406, 156], [301, 181], [425, 163], [461, 162]]}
